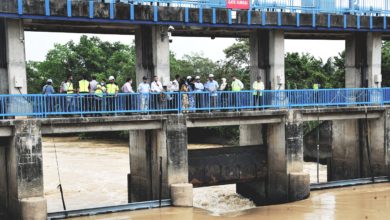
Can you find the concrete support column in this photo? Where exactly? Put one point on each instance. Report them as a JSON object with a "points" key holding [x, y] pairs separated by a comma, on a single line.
{"points": [[374, 59], [266, 60], [345, 160], [277, 186], [147, 149], [377, 147], [25, 173], [16, 58], [349, 150], [152, 53], [3, 59]]}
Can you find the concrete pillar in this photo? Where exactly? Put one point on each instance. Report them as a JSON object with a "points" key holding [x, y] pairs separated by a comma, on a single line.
{"points": [[3, 59], [3, 174], [147, 148], [345, 161], [152, 53], [266, 50], [25, 173], [377, 148], [16, 58], [277, 185], [374, 59], [182, 194], [349, 151]]}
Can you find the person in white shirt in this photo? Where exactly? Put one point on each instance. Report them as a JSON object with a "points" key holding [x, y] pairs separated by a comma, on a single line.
{"points": [[258, 88], [212, 86], [199, 87], [174, 85], [93, 84], [144, 89], [128, 99], [156, 88]]}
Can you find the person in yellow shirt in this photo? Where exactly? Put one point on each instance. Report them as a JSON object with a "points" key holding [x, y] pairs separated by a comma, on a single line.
{"points": [[84, 97], [258, 87], [112, 90]]}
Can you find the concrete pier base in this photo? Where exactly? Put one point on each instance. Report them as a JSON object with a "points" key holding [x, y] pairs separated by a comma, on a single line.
{"points": [[33, 208], [182, 194], [299, 186]]}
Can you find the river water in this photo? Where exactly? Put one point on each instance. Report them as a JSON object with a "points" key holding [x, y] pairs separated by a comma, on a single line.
{"points": [[94, 173]]}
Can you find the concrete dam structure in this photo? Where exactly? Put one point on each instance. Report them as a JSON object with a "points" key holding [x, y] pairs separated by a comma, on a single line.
{"points": [[268, 165]]}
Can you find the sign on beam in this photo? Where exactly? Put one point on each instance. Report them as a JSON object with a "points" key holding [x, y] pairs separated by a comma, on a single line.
{"points": [[237, 4]]}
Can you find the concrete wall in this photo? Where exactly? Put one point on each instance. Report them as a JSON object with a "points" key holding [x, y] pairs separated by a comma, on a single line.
{"points": [[3, 173]]}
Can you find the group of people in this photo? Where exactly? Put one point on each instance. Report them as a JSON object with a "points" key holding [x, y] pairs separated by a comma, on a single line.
{"points": [[185, 93]]}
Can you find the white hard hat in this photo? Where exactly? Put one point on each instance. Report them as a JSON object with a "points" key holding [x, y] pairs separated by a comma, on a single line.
{"points": [[211, 75], [49, 81], [197, 77], [189, 77], [111, 78]]}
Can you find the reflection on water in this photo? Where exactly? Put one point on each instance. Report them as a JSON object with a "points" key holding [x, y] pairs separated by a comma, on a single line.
{"points": [[94, 173], [364, 202]]}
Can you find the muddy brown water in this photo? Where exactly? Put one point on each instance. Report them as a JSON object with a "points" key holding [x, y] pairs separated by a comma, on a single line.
{"points": [[94, 174]]}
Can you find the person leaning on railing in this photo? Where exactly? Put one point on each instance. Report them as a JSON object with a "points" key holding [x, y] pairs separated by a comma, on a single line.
{"points": [[224, 88], [156, 88], [237, 86], [84, 91], [144, 89], [212, 86], [258, 87], [112, 94], [128, 89], [50, 100], [98, 99], [67, 88]]}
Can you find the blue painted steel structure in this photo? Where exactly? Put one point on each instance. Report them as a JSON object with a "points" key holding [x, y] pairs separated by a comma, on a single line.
{"points": [[38, 105], [374, 7], [375, 11]]}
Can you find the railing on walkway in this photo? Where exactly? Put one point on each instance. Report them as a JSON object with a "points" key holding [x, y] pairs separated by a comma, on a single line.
{"points": [[40, 105], [359, 7]]}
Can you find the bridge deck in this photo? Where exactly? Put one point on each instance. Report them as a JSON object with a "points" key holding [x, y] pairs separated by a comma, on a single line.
{"points": [[155, 121]]}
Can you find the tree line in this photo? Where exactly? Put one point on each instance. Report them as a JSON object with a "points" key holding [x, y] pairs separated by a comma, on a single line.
{"points": [[92, 56]]}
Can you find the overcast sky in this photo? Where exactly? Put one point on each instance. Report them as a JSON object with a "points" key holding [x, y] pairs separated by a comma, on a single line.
{"points": [[39, 43]]}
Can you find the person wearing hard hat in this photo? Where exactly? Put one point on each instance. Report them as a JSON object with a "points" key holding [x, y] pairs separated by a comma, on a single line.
{"points": [[237, 86], [112, 90], [50, 100], [212, 86], [199, 88]]}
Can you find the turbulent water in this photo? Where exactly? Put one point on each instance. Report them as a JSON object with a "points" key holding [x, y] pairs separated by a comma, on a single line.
{"points": [[355, 203], [94, 173]]}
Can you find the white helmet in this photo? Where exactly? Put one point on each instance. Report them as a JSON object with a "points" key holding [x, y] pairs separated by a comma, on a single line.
{"points": [[111, 78], [211, 75], [197, 77], [49, 81], [189, 77]]}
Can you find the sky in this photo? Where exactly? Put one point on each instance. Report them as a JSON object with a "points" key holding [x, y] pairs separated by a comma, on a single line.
{"points": [[39, 43]]}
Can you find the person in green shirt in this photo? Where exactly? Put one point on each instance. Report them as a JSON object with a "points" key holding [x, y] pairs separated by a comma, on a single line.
{"points": [[237, 86]]}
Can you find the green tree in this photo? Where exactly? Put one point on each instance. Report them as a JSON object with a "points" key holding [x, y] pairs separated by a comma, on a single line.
{"points": [[89, 57]]}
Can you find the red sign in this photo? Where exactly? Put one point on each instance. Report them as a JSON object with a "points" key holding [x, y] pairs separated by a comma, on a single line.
{"points": [[237, 4]]}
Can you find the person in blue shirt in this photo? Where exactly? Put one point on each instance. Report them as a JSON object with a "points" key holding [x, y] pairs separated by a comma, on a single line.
{"points": [[212, 86], [50, 100]]}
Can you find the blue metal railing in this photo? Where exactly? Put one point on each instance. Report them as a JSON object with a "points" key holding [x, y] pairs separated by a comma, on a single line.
{"points": [[39, 105], [370, 7]]}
